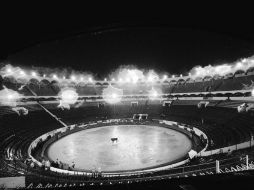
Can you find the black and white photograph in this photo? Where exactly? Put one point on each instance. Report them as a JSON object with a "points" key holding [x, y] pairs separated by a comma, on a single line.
{"points": [[117, 98]]}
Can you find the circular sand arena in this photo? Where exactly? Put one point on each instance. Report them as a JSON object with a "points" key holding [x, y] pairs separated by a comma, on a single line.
{"points": [[138, 147]]}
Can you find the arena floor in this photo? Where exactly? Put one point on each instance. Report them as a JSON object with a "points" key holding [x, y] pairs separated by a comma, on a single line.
{"points": [[138, 147]]}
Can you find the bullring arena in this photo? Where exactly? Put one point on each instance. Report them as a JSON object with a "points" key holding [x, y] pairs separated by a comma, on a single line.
{"points": [[64, 133]]}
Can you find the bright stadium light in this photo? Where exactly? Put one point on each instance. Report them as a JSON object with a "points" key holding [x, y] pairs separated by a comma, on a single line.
{"points": [[64, 77], [9, 97], [134, 75], [73, 78], [173, 76], [105, 79], [68, 96], [90, 79], [44, 75], [244, 60], [150, 78], [120, 80], [82, 78], [153, 94], [34, 74], [239, 65], [9, 70], [165, 77], [181, 75], [22, 72], [54, 76], [112, 95]]}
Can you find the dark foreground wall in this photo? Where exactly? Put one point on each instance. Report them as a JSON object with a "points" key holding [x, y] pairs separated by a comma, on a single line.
{"points": [[241, 180]]}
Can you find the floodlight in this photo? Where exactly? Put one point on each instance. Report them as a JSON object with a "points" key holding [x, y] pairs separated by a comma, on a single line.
{"points": [[34, 74]]}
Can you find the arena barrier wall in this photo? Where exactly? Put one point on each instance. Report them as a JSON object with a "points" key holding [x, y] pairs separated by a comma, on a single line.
{"points": [[240, 146], [43, 138], [196, 131], [73, 128]]}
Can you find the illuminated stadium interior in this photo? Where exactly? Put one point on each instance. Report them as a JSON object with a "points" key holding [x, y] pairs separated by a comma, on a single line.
{"points": [[144, 124], [138, 126]]}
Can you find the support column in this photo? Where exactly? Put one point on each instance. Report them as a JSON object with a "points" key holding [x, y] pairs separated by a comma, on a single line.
{"points": [[217, 166], [247, 162]]}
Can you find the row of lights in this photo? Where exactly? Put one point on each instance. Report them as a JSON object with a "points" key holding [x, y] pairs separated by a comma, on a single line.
{"points": [[34, 74], [74, 78], [149, 79]]}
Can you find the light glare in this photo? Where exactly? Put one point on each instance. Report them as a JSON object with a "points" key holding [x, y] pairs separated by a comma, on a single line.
{"points": [[112, 95], [54, 76], [68, 96], [33, 74]]}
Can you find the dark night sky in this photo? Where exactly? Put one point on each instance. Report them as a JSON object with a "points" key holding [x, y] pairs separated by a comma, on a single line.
{"points": [[172, 41], [173, 50]]}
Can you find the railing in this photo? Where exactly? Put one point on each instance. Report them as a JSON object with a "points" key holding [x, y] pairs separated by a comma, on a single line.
{"points": [[63, 131], [170, 170], [195, 170], [247, 144]]}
